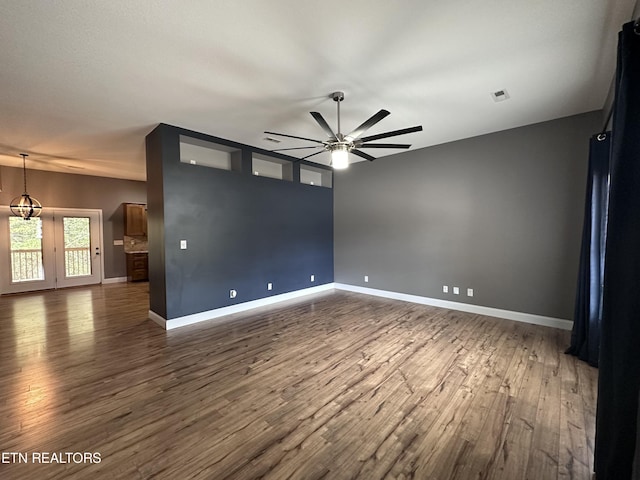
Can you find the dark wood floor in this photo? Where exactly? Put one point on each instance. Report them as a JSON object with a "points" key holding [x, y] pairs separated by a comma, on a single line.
{"points": [[339, 386]]}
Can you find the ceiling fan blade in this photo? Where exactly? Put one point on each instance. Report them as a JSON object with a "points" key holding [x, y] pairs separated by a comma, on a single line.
{"points": [[391, 134], [366, 125], [295, 148], [293, 136], [383, 145], [312, 155], [324, 125], [366, 156]]}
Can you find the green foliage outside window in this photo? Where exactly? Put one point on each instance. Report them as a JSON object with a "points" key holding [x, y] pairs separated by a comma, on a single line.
{"points": [[76, 232], [25, 234]]}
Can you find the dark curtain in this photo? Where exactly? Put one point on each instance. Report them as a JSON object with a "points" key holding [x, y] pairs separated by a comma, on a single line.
{"points": [[636, 462], [619, 370], [585, 337]]}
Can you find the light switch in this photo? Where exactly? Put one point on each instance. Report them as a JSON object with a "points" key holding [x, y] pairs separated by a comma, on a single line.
{"points": [[183, 244]]}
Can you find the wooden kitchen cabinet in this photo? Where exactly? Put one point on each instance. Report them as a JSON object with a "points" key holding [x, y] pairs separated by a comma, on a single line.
{"points": [[135, 219], [137, 267]]}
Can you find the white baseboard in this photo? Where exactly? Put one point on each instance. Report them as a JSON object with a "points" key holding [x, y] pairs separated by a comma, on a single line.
{"points": [[218, 313], [115, 280], [159, 319], [463, 307], [241, 307]]}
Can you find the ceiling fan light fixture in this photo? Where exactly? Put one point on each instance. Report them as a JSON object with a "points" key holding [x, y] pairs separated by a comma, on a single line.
{"points": [[25, 206], [340, 157], [340, 145]]}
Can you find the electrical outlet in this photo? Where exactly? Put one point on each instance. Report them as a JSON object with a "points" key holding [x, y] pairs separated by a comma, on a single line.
{"points": [[233, 294], [456, 290], [183, 244], [469, 292], [445, 289], [269, 286], [313, 278], [366, 278]]}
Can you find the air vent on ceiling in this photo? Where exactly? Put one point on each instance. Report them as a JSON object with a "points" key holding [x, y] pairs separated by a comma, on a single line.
{"points": [[273, 140], [500, 95]]}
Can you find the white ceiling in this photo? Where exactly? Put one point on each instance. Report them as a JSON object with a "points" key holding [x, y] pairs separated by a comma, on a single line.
{"points": [[82, 83]]}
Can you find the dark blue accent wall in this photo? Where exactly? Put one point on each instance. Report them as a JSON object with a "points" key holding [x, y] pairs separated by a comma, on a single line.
{"points": [[242, 231]]}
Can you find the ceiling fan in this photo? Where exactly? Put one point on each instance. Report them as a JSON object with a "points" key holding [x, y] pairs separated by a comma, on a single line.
{"points": [[340, 145]]}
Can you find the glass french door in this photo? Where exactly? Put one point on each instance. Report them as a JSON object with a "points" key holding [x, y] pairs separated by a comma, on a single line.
{"points": [[61, 248], [77, 252]]}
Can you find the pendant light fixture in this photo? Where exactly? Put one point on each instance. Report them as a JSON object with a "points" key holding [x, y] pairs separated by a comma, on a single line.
{"points": [[25, 206]]}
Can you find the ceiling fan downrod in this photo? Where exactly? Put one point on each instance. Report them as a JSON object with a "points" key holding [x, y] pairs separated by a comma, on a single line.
{"points": [[338, 97]]}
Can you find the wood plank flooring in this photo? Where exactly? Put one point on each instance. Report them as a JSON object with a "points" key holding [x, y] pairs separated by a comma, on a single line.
{"points": [[337, 386]]}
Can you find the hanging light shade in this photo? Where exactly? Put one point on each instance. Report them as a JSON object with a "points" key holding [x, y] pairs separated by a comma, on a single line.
{"points": [[25, 206], [340, 156]]}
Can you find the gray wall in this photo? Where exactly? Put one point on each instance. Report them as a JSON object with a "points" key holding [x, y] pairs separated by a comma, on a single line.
{"points": [[500, 213], [65, 190], [242, 231]]}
